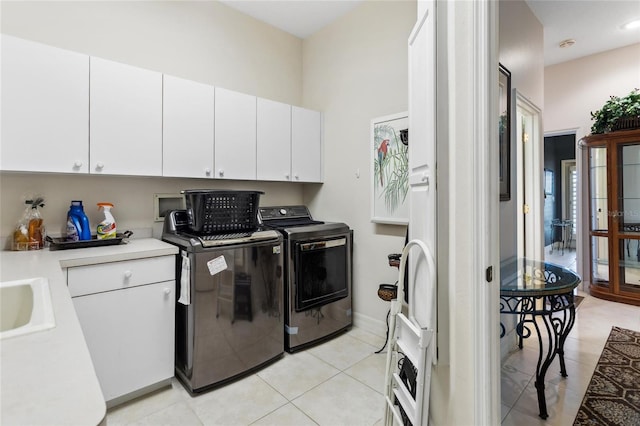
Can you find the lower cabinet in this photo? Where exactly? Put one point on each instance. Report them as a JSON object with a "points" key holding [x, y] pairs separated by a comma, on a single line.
{"points": [[127, 314]]}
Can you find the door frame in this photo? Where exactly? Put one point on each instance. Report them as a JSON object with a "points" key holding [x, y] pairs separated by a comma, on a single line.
{"points": [[468, 211], [529, 166], [582, 214]]}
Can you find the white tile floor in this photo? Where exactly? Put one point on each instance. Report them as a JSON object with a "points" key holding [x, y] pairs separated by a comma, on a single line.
{"points": [[340, 382]]}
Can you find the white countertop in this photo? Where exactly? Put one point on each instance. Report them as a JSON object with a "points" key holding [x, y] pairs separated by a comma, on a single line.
{"points": [[47, 377]]}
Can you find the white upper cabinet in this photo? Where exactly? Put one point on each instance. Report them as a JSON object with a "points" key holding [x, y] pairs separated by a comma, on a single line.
{"points": [[188, 115], [274, 140], [126, 119], [306, 145], [45, 108], [235, 135]]}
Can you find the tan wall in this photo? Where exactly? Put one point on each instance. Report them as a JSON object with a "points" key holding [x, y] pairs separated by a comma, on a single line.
{"points": [[201, 41], [521, 52], [573, 89], [356, 70]]}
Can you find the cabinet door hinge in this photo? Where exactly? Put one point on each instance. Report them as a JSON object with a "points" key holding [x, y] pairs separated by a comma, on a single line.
{"points": [[525, 209]]}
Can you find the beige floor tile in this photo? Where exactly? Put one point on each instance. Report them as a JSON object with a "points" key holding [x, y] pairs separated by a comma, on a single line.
{"points": [[178, 414], [288, 415], [504, 410], [295, 374], [516, 418], [513, 383], [562, 403], [144, 406], [523, 360], [370, 371], [239, 403], [343, 351], [342, 401], [367, 337]]}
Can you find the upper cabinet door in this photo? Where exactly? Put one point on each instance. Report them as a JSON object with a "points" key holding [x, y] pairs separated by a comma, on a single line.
{"points": [[274, 140], [187, 145], [45, 108], [235, 135], [306, 145], [126, 119]]}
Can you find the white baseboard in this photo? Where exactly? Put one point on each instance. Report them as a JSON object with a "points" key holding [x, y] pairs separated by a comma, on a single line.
{"points": [[508, 344], [370, 324]]}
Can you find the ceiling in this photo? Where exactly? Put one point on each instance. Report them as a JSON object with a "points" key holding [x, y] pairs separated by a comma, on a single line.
{"points": [[593, 24]]}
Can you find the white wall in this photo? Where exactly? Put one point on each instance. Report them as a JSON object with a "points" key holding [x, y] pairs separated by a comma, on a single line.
{"points": [[355, 70], [202, 41], [573, 89], [522, 53]]}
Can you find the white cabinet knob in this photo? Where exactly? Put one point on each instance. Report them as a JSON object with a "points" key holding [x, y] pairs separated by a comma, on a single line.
{"points": [[99, 165], [77, 164], [221, 172], [167, 291], [425, 178], [296, 177], [127, 274], [207, 171], [287, 177]]}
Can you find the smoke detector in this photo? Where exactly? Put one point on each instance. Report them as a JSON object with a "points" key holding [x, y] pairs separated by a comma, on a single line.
{"points": [[567, 43]]}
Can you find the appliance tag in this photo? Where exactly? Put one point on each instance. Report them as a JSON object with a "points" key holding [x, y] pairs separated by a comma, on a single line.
{"points": [[217, 265], [276, 249]]}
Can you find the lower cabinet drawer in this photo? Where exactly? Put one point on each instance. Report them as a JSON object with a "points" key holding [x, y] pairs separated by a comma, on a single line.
{"points": [[103, 277]]}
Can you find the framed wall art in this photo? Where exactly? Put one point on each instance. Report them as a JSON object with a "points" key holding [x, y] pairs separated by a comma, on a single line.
{"points": [[504, 104], [390, 169]]}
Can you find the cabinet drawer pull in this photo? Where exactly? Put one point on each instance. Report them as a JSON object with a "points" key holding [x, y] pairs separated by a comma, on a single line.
{"points": [[127, 274]]}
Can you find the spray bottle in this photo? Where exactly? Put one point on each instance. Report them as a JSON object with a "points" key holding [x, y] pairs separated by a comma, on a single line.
{"points": [[106, 228]]}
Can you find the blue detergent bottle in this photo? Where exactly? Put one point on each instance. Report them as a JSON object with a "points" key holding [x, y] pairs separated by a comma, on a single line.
{"points": [[77, 223]]}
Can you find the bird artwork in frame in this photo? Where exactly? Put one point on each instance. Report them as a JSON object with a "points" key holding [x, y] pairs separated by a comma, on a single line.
{"points": [[390, 169]]}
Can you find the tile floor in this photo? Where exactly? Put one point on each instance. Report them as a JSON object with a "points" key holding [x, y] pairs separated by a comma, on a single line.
{"points": [[594, 320], [336, 383], [340, 382]]}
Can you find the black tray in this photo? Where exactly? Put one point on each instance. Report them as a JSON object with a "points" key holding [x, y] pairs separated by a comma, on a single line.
{"points": [[61, 244]]}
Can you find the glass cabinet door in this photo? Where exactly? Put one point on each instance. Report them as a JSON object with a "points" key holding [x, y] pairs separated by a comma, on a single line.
{"points": [[614, 215], [628, 217], [599, 214]]}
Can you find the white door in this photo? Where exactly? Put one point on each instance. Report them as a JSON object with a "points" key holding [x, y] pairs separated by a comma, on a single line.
{"points": [[187, 128], [126, 119], [530, 195], [274, 141], [45, 108], [306, 145], [130, 336], [235, 135], [422, 180], [422, 152]]}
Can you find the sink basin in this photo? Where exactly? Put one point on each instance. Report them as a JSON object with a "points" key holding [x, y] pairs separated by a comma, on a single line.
{"points": [[25, 307]]}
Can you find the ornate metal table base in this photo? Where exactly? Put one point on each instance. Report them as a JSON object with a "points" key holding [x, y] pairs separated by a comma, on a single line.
{"points": [[554, 314]]}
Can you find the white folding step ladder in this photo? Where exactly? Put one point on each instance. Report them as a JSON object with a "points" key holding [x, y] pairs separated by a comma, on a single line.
{"points": [[408, 340]]}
